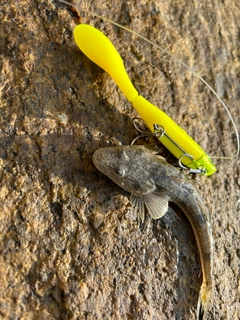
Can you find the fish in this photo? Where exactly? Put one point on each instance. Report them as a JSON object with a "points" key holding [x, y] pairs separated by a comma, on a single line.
{"points": [[153, 183]]}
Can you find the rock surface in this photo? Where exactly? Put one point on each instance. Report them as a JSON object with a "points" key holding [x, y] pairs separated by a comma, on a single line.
{"points": [[70, 247]]}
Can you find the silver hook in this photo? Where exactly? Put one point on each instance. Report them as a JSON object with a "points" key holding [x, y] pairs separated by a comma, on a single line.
{"points": [[134, 122], [158, 131], [197, 171]]}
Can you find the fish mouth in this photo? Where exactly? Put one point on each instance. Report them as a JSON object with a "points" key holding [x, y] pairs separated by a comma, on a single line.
{"points": [[101, 159], [97, 157]]}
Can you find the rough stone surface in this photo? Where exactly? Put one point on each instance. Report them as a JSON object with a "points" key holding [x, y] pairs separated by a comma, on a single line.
{"points": [[70, 247]]}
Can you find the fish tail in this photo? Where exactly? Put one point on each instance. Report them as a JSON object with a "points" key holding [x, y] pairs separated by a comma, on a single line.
{"points": [[203, 299]]}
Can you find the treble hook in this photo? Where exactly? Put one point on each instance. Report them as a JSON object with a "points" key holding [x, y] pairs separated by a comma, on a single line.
{"points": [[158, 130], [197, 171]]}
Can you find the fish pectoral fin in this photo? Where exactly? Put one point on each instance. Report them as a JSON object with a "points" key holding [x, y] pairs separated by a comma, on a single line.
{"points": [[138, 206], [156, 204]]}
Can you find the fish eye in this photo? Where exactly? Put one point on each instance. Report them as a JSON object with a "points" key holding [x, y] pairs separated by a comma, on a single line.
{"points": [[122, 155], [121, 172]]}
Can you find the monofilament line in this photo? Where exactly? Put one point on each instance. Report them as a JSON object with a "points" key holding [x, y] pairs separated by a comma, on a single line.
{"points": [[178, 61]]}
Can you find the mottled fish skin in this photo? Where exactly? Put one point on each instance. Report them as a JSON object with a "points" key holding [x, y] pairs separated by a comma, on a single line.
{"points": [[152, 182]]}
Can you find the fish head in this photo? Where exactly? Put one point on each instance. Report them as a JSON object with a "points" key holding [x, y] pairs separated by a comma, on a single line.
{"points": [[127, 166]]}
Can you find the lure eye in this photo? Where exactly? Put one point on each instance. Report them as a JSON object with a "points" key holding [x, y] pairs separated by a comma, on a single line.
{"points": [[121, 172]]}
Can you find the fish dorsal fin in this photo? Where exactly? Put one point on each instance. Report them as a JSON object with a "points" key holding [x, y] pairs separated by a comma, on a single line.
{"points": [[156, 204], [152, 147]]}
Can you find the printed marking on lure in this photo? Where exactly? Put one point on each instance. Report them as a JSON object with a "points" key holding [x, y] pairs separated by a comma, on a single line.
{"points": [[179, 143]]}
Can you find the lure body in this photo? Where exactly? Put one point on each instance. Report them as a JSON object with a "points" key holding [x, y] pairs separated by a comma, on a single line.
{"points": [[152, 183], [97, 47]]}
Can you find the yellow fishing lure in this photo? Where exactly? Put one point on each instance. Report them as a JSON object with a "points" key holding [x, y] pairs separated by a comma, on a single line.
{"points": [[97, 47]]}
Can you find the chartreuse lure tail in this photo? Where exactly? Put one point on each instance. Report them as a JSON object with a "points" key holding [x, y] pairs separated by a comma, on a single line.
{"points": [[97, 47]]}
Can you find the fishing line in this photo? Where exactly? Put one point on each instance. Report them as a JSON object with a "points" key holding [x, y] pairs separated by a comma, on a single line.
{"points": [[176, 60]]}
